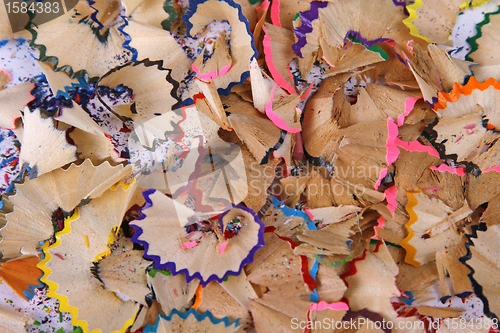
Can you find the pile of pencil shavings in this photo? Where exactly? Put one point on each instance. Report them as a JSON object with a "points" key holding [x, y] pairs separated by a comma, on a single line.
{"points": [[244, 182]]}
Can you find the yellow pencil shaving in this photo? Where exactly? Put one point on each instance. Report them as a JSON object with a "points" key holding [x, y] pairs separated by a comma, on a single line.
{"points": [[63, 300], [122, 183], [411, 251]]}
